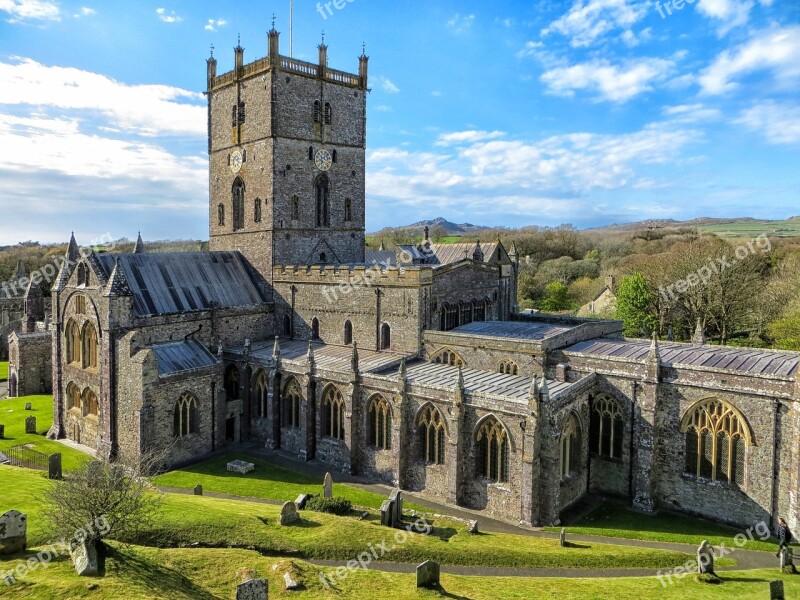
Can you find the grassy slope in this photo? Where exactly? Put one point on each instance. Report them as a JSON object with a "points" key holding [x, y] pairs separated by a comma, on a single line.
{"points": [[745, 230], [13, 415], [3, 371], [267, 481], [613, 520]]}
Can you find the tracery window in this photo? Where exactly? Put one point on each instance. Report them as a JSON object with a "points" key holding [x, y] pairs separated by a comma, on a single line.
{"points": [[72, 336], [431, 431], [509, 367], [89, 403], [606, 427], [89, 346], [333, 413], [570, 447], [492, 441], [380, 423], [291, 398], [448, 357], [185, 417], [260, 388]]}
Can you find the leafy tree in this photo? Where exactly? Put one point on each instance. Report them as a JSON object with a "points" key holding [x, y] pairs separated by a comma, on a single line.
{"points": [[635, 306], [786, 330], [556, 297]]}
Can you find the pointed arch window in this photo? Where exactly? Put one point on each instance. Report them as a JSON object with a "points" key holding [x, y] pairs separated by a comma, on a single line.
{"points": [[606, 427], [89, 346], [260, 388], [238, 204], [315, 328], [380, 423], [257, 210], [348, 209], [322, 195], [287, 326], [717, 437], [570, 447], [509, 367], [348, 333], [221, 215], [333, 413], [74, 399], [72, 338], [317, 111], [431, 433], [448, 357], [89, 403], [295, 208], [185, 421], [290, 404], [492, 459], [83, 275], [328, 113], [386, 337], [232, 380]]}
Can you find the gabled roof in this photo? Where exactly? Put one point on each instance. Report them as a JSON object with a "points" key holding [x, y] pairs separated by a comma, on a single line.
{"points": [[445, 254], [170, 283], [176, 357]]}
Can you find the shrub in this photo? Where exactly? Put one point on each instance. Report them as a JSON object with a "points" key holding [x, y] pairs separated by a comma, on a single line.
{"points": [[335, 506]]}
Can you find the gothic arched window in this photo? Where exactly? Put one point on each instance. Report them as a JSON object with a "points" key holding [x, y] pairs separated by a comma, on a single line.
{"points": [[333, 413], [290, 403], [257, 210], [348, 333], [322, 195], [260, 388], [89, 346], [83, 274], [232, 383], [380, 423], [448, 357], [717, 436], [317, 111], [73, 397], [287, 326], [315, 328], [348, 209], [89, 403], [72, 336], [606, 427], [570, 447], [431, 431], [492, 459], [185, 417], [238, 204], [386, 337], [328, 113], [509, 367], [295, 208]]}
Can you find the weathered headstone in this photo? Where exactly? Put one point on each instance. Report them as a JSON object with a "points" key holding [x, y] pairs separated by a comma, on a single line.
{"points": [[289, 514], [705, 558], [787, 561], [302, 455], [396, 497], [302, 500], [291, 584], [84, 557], [387, 513], [198, 490], [562, 537], [13, 532], [240, 466], [2, 431], [428, 574], [776, 590], [54, 466], [30, 425], [28, 406], [253, 589], [473, 526], [327, 486]]}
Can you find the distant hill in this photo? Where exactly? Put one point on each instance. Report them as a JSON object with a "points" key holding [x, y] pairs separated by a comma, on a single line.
{"points": [[450, 227]]}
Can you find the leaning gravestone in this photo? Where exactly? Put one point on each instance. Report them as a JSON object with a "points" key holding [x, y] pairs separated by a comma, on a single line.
{"points": [[289, 514], [776, 590], [241, 467], [54, 466], [253, 589], [198, 490], [428, 574], [397, 498], [327, 486], [302, 500], [473, 526], [30, 425], [28, 406], [705, 558], [84, 557], [387, 513], [13, 532]]}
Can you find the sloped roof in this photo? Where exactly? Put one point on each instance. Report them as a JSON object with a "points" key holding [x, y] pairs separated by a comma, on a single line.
{"points": [[513, 329], [445, 254], [176, 357], [746, 360], [179, 282]]}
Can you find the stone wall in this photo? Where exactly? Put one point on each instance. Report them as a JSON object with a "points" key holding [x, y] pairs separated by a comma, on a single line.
{"points": [[30, 368]]}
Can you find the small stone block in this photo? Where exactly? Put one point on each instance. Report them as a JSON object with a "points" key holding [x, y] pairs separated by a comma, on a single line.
{"points": [[776, 590], [253, 589], [473, 526], [241, 467], [562, 537], [28, 406], [387, 513], [428, 574], [327, 486], [84, 557], [30, 425], [291, 584], [289, 514], [198, 490], [54, 466]]}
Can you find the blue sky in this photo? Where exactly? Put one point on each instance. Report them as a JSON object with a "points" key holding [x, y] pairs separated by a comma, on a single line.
{"points": [[502, 113]]}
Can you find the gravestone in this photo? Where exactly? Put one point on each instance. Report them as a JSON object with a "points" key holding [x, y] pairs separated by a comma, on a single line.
{"points": [[428, 574], [787, 561], [84, 557], [291, 584], [13, 532], [54, 466], [562, 538], [302, 500], [473, 526], [302, 455], [397, 498], [289, 514], [327, 486], [28, 406], [387, 513], [240, 466], [30, 425], [253, 589], [2, 431], [705, 558], [776, 590], [198, 490]]}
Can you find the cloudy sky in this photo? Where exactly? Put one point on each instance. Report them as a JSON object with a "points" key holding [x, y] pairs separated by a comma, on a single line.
{"points": [[503, 113]]}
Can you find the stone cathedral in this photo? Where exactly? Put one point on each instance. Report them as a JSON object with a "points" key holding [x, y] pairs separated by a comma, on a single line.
{"points": [[411, 367]]}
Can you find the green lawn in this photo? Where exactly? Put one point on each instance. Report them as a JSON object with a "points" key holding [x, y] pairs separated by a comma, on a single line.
{"points": [[3, 371], [267, 481], [614, 520], [13, 415], [749, 230]]}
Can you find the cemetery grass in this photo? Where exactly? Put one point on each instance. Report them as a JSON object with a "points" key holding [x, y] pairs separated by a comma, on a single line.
{"points": [[138, 573], [612, 519], [3, 371], [13, 415], [267, 481], [202, 522]]}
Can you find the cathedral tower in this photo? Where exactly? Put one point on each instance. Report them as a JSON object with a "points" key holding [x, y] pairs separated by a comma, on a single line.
{"points": [[287, 142]]}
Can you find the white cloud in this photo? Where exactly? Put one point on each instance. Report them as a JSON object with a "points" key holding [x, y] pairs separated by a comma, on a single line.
{"points": [[530, 49], [588, 22], [22, 10], [214, 24], [147, 110], [85, 12], [387, 85], [730, 13], [467, 137], [168, 17], [460, 23], [692, 113], [609, 82], [775, 50], [778, 122]]}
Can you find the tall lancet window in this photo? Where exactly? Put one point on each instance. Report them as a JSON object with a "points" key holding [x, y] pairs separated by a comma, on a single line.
{"points": [[323, 193]]}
